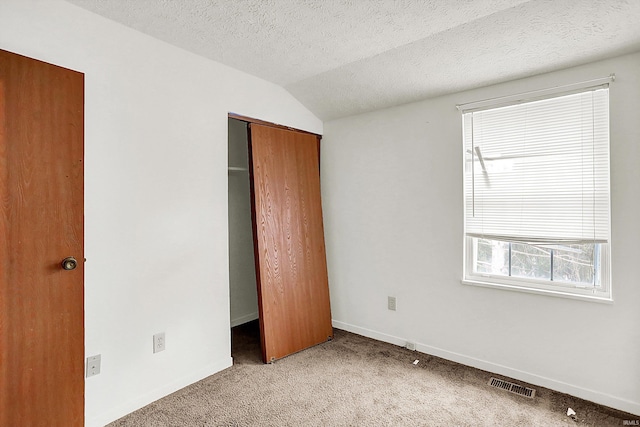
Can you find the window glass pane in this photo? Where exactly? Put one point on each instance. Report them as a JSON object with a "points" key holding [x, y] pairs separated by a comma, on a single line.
{"points": [[530, 261], [573, 263], [492, 257]]}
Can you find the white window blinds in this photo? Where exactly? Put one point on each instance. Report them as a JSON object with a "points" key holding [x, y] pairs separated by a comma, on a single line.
{"points": [[538, 172]]}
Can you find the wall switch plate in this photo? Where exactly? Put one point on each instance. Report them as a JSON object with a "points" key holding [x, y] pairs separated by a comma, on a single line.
{"points": [[158, 342], [93, 365], [391, 303]]}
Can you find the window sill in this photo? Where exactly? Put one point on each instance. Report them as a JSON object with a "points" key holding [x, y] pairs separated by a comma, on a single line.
{"points": [[532, 290]]}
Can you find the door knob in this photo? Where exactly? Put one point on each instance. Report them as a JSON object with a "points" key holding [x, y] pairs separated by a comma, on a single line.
{"points": [[69, 263]]}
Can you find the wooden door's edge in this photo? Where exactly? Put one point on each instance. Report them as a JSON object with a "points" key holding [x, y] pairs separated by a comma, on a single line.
{"points": [[269, 124], [256, 251]]}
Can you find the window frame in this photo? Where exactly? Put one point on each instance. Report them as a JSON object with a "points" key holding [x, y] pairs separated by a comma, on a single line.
{"points": [[531, 285]]}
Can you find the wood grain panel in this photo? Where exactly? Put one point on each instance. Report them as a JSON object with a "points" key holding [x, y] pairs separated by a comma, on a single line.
{"points": [[41, 223], [293, 291]]}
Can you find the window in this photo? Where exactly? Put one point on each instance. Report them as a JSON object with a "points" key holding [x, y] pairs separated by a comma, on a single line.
{"points": [[537, 195]]}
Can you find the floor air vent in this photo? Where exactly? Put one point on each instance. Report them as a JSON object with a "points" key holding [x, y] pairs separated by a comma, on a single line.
{"points": [[513, 388]]}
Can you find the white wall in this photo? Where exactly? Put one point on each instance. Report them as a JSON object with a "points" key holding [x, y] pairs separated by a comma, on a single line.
{"points": [[392, 195], [243, 293], [155, 195]]}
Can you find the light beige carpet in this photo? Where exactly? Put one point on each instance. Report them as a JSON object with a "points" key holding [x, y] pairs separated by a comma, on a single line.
{"points": [[356, 381]]}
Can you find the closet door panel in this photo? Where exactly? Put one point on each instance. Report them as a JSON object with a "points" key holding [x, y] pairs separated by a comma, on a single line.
{"points": [[293, 289]]}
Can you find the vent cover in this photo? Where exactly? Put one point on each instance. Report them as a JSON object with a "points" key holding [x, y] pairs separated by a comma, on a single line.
{"points": [[513, 388]]}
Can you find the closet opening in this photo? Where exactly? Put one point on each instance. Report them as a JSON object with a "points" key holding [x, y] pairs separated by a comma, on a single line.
{"points": [[277, 261], [243, 295]]}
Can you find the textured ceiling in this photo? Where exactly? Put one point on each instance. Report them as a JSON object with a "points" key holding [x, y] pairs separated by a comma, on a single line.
{"points": [[342, 57]]}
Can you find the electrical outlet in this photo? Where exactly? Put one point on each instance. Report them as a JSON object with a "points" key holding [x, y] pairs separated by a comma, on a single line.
{"points": [[158, 342], [391, 303], [93, 365], [411, 345]]}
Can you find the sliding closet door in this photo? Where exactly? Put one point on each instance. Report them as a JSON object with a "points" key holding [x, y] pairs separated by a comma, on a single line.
{"points": [[293, 291]]}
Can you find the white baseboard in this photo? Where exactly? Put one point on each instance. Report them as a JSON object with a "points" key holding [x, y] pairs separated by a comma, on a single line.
{"points": [[122, 410], [369, 333], [573, 390], [244, 319]]}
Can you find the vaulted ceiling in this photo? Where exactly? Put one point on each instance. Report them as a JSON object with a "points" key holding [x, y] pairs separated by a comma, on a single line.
{"points": [[343, 57]]}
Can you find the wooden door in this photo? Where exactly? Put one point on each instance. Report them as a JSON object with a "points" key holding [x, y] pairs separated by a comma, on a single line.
{"points": [[41, 223], [291, 268]]}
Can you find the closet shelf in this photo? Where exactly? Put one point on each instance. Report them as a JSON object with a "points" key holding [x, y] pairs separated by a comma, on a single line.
{"points": [[237, 169]]}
